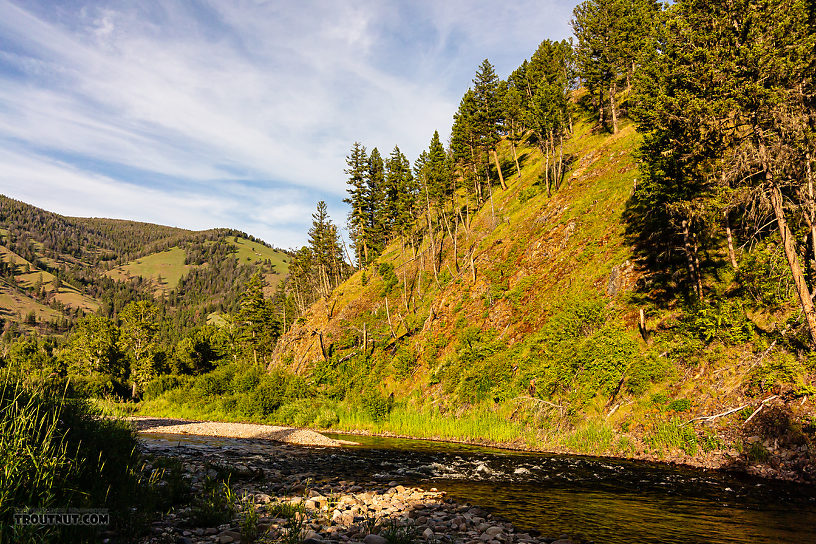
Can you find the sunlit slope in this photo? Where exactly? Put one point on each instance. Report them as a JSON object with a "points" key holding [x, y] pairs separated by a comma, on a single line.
{"points": [[531, 254]]}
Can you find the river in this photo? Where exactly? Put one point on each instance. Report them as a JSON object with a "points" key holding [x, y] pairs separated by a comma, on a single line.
{"points": [[600, 499]]}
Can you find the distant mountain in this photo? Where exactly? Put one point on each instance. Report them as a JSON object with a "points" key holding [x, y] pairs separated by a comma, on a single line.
{"points": [[54, 269]]}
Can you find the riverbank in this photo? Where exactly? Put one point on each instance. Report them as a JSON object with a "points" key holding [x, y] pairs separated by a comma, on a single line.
{"points": [[284, 492], [758, 456]]}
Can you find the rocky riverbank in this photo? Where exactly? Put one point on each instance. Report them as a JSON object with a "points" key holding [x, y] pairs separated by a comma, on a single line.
{"points": [[286, 493]]}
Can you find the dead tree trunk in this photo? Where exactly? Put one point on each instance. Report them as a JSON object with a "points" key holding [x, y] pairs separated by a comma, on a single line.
{"points": [[691, 261], [515, 158], [612, 107], [498, 169], [732, 256], [793, 259]]}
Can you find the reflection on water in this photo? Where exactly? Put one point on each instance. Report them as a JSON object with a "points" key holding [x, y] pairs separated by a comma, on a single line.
{"points": [[608, 501], [611, 501]]}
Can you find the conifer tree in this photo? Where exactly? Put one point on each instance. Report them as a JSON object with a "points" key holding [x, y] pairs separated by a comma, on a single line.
{"points": [[400, 194], [488, 113], [258, 328], [327, 256], [358, 221], [465, 144], [375, 210]]}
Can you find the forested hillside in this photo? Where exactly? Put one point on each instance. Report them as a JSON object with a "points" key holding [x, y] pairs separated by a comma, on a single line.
{"points": [[107, 300], [614, 253]]}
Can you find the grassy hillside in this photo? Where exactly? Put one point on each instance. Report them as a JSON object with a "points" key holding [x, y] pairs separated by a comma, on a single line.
{"points": [[164, 269], [537, 343], [54, 268]]}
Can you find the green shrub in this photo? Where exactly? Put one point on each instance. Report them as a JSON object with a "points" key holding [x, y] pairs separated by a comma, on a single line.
{"points": [[679, 405], [757, 453], [765, 276], [308, 413], [390, 280], [405, 361], [326, 418], [97, 386], [778, 368], [247, 380], [216, 504], [724, 320], [57, 452], [377, 405], [164, 383]]}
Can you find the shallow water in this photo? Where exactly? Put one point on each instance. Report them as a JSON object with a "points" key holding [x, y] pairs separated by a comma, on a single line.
{"points": [[608, 501], [600, 499]]}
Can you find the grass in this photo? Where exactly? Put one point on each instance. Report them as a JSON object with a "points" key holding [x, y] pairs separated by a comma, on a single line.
{"points": [[168, 264], [56, 453], [12, 302]]}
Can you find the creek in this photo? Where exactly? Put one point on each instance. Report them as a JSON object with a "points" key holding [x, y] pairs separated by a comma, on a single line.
{"points": [[603, 500]]}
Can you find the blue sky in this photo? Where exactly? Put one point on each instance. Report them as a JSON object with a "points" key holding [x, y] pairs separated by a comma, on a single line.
{"points": [[235, 114]]}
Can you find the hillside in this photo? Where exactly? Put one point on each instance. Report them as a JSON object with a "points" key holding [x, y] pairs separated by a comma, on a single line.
{"points": [[54, 269], [522, 328]]}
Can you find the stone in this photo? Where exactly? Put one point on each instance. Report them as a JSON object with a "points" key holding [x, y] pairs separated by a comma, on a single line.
{"points": [[225, 539], [521, 470], [494, 531], [428, 533], [374, 539], [311, 535]]}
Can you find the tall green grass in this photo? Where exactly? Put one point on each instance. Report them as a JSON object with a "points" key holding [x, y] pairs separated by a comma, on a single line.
{"points": [[56, 452]]}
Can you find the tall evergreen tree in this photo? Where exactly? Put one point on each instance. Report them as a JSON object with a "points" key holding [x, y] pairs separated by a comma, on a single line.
{"points": [[327, 256], [358, 220], [258, 328], [488, 114], [375, 210]]}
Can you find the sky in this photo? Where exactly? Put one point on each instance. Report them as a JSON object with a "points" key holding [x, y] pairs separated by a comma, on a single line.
{"points": [[235, 114]]}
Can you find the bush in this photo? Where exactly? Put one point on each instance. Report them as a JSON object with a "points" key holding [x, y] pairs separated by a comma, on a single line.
{"points": [[679, 405], [163, 383], [377, 405], [96, 386], [390, 280]]}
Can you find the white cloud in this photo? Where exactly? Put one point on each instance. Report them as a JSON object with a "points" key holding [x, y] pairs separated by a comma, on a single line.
{"points": [[228, 97]]}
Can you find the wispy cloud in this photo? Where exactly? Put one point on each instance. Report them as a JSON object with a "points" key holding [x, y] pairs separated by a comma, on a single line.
{"points": [[233, 113]]}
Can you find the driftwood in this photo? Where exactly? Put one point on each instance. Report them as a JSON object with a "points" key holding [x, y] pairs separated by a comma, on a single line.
{"points": [[761, 406], [540, 401], [731, 411]]}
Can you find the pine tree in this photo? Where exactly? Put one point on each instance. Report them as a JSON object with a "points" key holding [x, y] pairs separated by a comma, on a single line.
{"points": [[375, 210], [358, 221], [258, 328], [400, 194], [612, 34], [465, 144], [326, 252], [488, 113]]}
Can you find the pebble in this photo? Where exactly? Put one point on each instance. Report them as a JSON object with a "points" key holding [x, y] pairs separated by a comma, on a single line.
{"points": [[335, 511]]}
